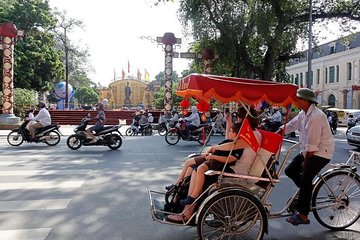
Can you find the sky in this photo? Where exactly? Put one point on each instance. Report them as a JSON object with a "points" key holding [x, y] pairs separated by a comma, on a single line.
{"points": [[112, 33]]}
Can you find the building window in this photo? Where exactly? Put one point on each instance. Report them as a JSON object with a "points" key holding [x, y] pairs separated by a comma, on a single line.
{"points": [[331, 74], [326, 75], [301, 80], [348, 71], [292, 78], [337, 73], [332, 49], [297, 79], [317, 76], [331, 100]]}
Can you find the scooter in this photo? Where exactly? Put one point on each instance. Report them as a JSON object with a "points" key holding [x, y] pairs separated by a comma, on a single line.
{"points": [[49, 135], [107, 136], [143, 129], [200, 134]]}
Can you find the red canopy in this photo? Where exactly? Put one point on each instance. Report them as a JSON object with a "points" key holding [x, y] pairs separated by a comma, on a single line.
{"points": [[228, 89]]}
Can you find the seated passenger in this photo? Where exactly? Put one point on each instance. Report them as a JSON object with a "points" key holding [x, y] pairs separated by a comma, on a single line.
{"points": [[216, 162]]}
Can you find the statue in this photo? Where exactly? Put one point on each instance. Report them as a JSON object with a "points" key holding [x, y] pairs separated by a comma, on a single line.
{"points": [[127, 94]]}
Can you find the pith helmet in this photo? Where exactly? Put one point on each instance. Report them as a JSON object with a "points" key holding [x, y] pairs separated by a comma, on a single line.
{"points": [[307, 94]]}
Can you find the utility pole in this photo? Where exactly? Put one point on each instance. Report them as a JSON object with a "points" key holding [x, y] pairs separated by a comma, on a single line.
{"points": [[308, 82]]}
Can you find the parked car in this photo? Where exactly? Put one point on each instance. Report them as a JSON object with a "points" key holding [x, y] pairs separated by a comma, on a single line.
{"points": [[353, 136]]}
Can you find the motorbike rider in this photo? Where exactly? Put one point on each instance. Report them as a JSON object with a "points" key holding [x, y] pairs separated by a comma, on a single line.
{"points": [[100, 122], [219, 120], [43, 119], [351, 121], [143, 120], [173, 120], [192, 121], [275, 120]]}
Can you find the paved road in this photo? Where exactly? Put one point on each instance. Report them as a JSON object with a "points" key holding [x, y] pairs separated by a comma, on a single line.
{"points": [[95, 193]]}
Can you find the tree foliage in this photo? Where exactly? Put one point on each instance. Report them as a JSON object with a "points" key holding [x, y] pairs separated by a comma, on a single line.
{"points": [[37, 61], [87, 95], [256, 38], [24, 100]]}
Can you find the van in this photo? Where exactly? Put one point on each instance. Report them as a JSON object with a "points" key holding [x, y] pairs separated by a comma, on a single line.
{"points": [[343, 114]]}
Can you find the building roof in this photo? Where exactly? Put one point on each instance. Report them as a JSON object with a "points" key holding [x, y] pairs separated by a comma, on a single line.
{"points": [[332, 47]]}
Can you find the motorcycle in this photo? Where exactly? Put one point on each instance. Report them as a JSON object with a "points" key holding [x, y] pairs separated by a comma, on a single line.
{"points": [[135, 129], [201, 134], [49, 135], [215, 128], [107, 136], [162, 129]]}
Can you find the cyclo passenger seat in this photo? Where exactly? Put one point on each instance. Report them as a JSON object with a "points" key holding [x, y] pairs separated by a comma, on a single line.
{"points": [[259, 172]]}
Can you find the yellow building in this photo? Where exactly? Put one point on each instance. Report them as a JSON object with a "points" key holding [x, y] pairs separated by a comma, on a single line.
{"points": [[127, 93]]}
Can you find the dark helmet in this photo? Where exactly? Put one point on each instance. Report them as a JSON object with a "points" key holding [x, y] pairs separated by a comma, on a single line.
{"points": [[100, 106], [307, 94], [41, 105]]}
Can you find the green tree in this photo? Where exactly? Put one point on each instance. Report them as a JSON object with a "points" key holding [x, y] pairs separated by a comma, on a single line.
{"points": [[257, 38], [24, 100], [87, 95], [37, 62]]}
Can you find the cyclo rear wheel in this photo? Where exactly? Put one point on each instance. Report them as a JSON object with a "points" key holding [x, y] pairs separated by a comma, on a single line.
{"points": [[234, 214], [336, 200]]}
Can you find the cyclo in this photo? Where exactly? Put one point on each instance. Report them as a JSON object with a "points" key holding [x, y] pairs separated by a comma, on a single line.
{"points": [[236, 206]]}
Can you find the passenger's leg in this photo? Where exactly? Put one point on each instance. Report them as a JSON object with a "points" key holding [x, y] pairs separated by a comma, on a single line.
{"points": [[33, 127], [200, 179]]}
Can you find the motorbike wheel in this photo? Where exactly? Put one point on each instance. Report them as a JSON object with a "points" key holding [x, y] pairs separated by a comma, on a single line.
{"points": [[207, 136], [114, 142], [15, 138], [129, 132], [54, 138], [172, 137], [148, 131], [74, 142], [162, 130]]}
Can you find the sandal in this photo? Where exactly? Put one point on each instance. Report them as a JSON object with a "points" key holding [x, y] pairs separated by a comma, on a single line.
{"points": [[296, 220], [176, 219]]}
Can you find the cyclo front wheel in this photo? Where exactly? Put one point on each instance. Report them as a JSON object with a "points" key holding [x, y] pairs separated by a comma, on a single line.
{"points": [[336, 200], [232, 214]]}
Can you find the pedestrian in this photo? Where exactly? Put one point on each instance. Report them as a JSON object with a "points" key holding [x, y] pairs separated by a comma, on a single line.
{"points": [[317, 147]]}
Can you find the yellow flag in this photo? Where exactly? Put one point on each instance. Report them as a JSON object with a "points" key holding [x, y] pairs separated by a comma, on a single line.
{"points": [[147, 76]]}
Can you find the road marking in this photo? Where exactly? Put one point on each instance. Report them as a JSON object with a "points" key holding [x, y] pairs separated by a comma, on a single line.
{"points": [[25, 234], [42, 172], [40, 185], [34, 205]]}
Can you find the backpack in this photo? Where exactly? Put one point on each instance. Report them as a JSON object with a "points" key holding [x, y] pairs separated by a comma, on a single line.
{"points": [[174, 195]]}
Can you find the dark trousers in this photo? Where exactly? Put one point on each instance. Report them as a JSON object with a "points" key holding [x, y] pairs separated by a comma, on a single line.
{"points": [[303, 177]]}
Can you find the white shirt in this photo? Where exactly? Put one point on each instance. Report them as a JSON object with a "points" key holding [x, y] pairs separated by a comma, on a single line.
{"points": [[276, 117], [43, 117], [314, 132]]}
